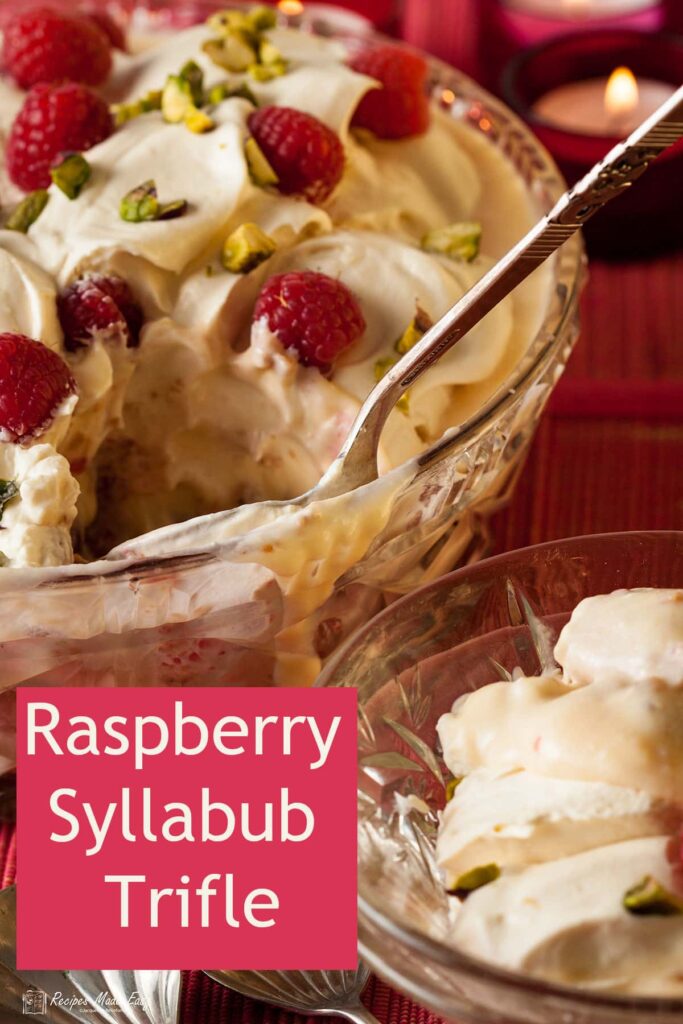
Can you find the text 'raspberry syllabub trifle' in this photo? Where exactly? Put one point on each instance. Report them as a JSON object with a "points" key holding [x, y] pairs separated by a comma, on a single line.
{"points": [[211, 251]]}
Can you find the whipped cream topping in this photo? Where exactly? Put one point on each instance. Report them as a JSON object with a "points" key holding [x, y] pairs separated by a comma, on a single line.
{"points": [[210, 412], [572, 788]]}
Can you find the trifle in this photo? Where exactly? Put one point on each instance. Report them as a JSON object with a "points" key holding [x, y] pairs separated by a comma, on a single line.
{"points": [[212, 249]]}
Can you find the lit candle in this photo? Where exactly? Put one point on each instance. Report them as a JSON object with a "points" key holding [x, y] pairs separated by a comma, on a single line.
{"points": [[598, 106]]}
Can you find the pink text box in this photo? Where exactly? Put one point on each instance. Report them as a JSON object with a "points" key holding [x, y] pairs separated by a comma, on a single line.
{"points": [[70, 918]]}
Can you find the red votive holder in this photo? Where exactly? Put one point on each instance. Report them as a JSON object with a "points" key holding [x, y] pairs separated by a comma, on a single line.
{"points": [[648, 217], [513, 25]]}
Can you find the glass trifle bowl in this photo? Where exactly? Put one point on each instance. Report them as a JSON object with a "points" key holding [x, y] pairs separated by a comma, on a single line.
{"points": [[479, 625], [250, 597]]}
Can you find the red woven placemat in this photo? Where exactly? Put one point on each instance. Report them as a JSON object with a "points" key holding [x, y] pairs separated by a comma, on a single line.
{"points": [[608, 456]]}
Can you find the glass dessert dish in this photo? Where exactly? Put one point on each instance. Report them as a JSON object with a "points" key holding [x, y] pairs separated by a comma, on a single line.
{"points": [[471, 628], [259, 601]]}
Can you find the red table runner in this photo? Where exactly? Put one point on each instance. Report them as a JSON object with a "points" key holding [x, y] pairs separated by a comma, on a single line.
{"points": [[608, 456]]}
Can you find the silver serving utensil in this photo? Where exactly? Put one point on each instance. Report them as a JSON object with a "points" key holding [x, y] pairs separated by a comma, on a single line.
{"points": [[319, 993], [89, 997], [356, 464]]}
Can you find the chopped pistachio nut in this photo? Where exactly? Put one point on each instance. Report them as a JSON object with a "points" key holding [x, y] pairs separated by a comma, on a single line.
{"points": [[261, 18], [649, 898], [8, 490], [172, 210], [71, 174], [194, 76], [176, 99], [151, 101], [260, 170], [224, 91], [240, 46], [124, 112], [140, 204], [381, 368], [198, 121], [223, 22], [415, 330], [28, 211], [246, 248], [234, 52], [451, 787], [258, 19], [459, 241], [267, 72], [476, 878]]}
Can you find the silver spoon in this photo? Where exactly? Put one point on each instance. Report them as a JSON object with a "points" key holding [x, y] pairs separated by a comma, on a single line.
{"points": [[318, 993], [356, 464], [62, 997]]}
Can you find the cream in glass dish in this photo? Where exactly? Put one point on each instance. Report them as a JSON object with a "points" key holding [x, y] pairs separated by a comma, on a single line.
{"points": [[562, 840], [519, 785]]}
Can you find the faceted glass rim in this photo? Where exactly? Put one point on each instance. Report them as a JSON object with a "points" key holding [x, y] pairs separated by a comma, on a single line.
{"points": [[565, 996]]}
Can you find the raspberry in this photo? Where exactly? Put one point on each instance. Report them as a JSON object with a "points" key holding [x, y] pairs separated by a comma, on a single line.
{"points": [[45, 45], [99, 305], [306, 155], [311, 313], [54, 119], [111, 28], [34, 381], [401, 107]]}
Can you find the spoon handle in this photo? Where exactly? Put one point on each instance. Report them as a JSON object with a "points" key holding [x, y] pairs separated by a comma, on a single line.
{"points": [[622, 166], [357, 1015]]}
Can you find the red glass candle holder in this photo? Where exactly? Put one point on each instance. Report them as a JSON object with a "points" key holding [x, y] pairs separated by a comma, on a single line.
{"points": [[649, 217], [509, 28]]}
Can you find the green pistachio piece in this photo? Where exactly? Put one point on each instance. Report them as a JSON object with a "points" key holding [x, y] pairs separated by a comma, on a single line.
{"points": [[172, 210], [71, 174], [262, 18], [415, 330], [459, 241], [217, 93], [199, 122], [233, 51], [267, 72], [381, 369], [451, 787], [243, 92], [260, 170], [650, 898], [269, 54], [124, 112], [224, 91], [194, 76], [223, 22], [476, 878], [8, 490], [176, 99], [246, 248], [28, 211], [140, 204], [151, 101]]}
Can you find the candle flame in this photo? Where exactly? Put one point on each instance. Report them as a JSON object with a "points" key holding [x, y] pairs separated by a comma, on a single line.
{"points": [[290, 8], [621, 94]]}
